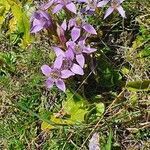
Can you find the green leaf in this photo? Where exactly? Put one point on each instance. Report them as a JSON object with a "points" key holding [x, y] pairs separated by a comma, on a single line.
{"points": [[125, 70], [19, 22], [138, 85], [46, 126], [23, 24], [100, 108], [144, 53], [107, 76], [75, 106], [4, 8], [109, 141]]}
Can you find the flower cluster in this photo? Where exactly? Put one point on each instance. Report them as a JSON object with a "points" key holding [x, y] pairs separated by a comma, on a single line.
{"points": [[69, 37]]}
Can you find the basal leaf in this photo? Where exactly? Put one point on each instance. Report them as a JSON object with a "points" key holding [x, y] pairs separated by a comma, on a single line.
{"points": [[75, 106], [60, 121]]}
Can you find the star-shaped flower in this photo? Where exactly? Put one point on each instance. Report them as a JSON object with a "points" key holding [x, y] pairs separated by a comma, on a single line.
{"points": [[77, 25], [56, 74], [68, 60], [115, 5], [40, 20], [79, 49]]}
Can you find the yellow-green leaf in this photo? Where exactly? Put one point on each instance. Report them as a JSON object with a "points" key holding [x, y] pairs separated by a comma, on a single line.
{"points": [[138, 85], [23, 24], [46, 126], [75, 106], [100, 108]]}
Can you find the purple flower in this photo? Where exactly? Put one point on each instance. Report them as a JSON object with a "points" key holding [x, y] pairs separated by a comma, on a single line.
{"points": [[68, 4], [67, 61], [55, 74], [94, 142], [77, 24], [78, 49], [102, 3], [45, 6], [115, 5], [91, 5], [40, 20]]}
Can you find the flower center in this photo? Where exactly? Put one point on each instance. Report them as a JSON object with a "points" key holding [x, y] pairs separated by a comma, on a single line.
{"points": [[67, 64], [92, 4], [55, 74], [78, 49], [78, 21], [114, 3]]}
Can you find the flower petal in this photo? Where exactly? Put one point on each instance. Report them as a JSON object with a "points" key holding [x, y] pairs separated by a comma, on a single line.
{"points": [[57, 8], [81, 1], [61, 85], [69, 53], [102, 3], [89, 28], [37, 22], [58, 51], [37, 25], [44, 14], [108, 12], [46, 70], [121, 11], [58, 62], [81, 43], [70, 44], [80, 59], [47, 5], [94, 142], [77, 69], [75, 33], [49, 83], [72, 22], [66, 74], [64, 25], [71, 6], [89, 50], [35, 29]]}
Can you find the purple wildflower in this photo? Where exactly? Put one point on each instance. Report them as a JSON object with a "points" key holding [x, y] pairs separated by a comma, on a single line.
{"points": [[94, 142], [91, 5], [77, 24], [78, 49], [115, 5], [55, 74], [40, 20], [68, 4], [67, 61], [103, 3], [45, 6]]}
